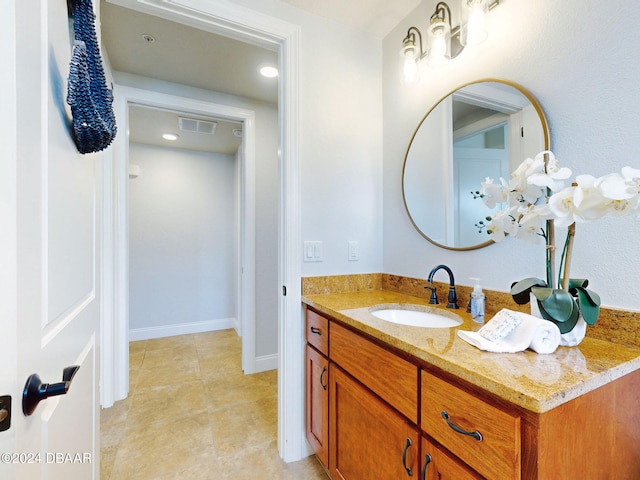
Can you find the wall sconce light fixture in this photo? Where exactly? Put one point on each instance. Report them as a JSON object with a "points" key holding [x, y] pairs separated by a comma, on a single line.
{"points": [[443, 41]]}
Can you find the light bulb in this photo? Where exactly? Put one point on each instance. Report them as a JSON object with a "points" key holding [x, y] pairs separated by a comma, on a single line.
{"points": [[409, 57], [474, 27], [410, 70], [439, 44]]}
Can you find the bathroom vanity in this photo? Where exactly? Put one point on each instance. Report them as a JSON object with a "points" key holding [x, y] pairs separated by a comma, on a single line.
{"points": [[392, 402]]}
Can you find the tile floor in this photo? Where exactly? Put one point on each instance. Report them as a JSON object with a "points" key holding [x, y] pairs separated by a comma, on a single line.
{"points": [[192, 414]]}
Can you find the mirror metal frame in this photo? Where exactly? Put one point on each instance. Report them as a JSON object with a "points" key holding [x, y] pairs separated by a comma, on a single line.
{"points": [[547, 146]]}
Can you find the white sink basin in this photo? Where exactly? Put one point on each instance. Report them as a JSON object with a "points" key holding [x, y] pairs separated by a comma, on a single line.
{"points": [[417, 316]]}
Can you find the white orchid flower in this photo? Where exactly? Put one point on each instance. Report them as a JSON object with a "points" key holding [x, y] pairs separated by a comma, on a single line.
{"points": [[519, 187], [531, 224], [588, 200], [615, 187], [554, 175], [621, 190], [503, 223], [562, 207], [632, 176], [493, 194]]}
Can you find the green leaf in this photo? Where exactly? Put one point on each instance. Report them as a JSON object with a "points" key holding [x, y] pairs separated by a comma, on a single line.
{"points": [[589, 303], [567, 326], [578, 282], [558, 303], [520, 290], [564, 324]]}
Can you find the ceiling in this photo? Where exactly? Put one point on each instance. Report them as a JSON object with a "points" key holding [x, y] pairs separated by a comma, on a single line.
{"points": [[154, 47], [377, 17], [147, 124]]}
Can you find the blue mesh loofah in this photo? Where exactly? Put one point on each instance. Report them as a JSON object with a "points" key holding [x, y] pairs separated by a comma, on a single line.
{"points": [[94, 123]]}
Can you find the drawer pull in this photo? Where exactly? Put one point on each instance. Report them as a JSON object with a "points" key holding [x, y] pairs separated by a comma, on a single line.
{"points": [[477, 435], [315, 330], [324, 385], [427, 461], [404, 457]]}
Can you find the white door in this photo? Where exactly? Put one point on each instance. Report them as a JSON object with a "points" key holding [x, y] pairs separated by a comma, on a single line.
{"points": [[472, 166], [49, 275]]}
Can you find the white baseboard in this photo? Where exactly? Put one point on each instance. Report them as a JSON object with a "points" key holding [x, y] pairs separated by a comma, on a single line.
{"points": [[266, 362], [181, 329], [237, 327]]}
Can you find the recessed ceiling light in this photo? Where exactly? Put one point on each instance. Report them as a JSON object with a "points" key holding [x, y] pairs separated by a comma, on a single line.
{"points": [[170, 136], [269, 71]]}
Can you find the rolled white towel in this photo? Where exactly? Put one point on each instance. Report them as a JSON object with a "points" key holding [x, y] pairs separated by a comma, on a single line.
{"points": [[535, 333]]}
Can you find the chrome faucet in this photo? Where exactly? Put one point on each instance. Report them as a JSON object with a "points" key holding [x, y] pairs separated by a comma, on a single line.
{"points": [[452, 298]]}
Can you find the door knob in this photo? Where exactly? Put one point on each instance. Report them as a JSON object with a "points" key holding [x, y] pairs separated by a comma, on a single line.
{"points": [[35, 391]]}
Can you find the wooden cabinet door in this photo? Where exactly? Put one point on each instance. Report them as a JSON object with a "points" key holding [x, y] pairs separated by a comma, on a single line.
{"points": [[317, 407], [439, 465], [368, 438]]}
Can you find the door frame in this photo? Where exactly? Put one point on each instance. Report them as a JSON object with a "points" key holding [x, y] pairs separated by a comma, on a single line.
{"points": [[8, 219], [219, 16], [115, 383]]}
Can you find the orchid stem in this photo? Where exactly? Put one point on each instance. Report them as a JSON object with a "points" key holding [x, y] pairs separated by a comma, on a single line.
{"points": [[551, 244], [551, 254], [566, 255]]}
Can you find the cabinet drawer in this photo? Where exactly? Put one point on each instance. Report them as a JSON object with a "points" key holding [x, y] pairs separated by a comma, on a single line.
{"points": [[497, 454], [392, 378], [318, 331]]}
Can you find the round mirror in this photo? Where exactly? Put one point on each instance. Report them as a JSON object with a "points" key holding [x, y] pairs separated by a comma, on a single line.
{"points": [[482, 129]]}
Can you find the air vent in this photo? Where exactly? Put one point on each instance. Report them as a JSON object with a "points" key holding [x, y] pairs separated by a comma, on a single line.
{"points": [[197, 126]]}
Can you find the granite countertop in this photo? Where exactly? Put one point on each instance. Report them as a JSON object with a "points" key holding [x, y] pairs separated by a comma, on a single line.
{"points": [[535, 382]]}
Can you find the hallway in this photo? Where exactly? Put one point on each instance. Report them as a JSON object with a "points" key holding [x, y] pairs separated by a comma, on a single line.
{"points": [[192, 414]]}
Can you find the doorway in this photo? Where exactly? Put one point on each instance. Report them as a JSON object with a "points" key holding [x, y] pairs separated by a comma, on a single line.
{"points": [[128, 96], [185, 199], [251, 26]]}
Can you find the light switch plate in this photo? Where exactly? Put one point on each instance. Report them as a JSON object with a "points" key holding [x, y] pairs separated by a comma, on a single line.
{"points": [[312, 251], [354, 251]]}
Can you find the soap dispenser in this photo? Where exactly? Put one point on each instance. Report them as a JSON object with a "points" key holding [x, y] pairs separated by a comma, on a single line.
{"points": [[477, 302]]}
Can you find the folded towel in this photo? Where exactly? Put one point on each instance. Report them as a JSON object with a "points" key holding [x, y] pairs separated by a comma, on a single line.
{"points": [[527, 331]]}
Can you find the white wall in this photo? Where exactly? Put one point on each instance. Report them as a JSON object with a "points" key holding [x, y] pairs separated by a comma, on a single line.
{"points": [[340, 139], [582, 66], [183, 263]]}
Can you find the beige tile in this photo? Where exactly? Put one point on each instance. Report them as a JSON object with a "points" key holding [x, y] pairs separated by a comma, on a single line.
{"points": [[168, 342], [169, 371], [167, 356], [257, 461], [164, 403], [307, 469], [243, 425], [192, 414], [112, 423], [220, 340], [135, 360], [221, 365], [147, 451], [207, 468], [137, 346], [107, 459], [233, 390]]}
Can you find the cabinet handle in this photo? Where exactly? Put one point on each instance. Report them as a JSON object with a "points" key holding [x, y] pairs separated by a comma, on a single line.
{"points": [[427, 461], [477, 435], [315, 330], [404, 457], [324, 385]]}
